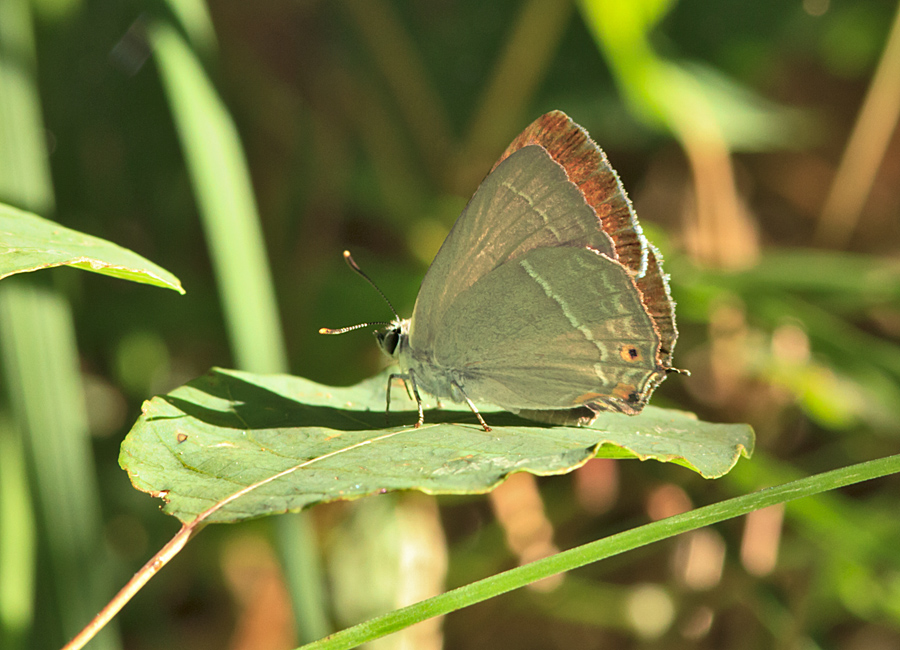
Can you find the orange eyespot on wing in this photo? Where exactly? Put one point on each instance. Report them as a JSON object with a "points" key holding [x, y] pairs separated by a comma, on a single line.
{"points": [[630, 354]]}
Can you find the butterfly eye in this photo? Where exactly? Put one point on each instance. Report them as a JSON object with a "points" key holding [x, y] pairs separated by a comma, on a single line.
{"points": [[388, 340]]}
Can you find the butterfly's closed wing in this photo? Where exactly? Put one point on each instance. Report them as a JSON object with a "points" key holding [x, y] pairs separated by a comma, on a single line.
{"points": [[586, 166], [545, 298], [525, 203], [524, 336]]}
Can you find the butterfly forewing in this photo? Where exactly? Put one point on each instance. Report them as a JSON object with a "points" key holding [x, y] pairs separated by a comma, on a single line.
{"points": [[587, 167], [525, 203]]}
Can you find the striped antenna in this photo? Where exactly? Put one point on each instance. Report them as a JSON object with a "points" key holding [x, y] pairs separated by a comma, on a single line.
{"points": [[353, 265]]}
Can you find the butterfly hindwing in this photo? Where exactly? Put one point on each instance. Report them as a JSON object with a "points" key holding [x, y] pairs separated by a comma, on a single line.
{"points": [[554, 328]]}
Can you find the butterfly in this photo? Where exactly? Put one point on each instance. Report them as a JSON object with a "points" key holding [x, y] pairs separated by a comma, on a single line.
{"points": [[545, 298]]}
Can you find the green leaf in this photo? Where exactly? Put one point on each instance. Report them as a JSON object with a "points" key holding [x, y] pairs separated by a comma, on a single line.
{"points": [[228, 430], [29, 243]]}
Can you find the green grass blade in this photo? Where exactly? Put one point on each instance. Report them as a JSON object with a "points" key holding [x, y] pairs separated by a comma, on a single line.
{"points": [[40, 365], [17, 539], [295, 538], [39, 362], [224, 194], [24, 169], [223, 189], [602, 549]]}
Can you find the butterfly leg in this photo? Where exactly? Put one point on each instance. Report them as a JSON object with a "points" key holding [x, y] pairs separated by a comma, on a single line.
{"points": [[387, 406], [411, 378], [408, 380], [406, 386], [471, 405]]}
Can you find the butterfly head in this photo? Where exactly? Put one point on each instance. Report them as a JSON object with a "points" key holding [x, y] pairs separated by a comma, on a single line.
{"points": [[392, 339]]}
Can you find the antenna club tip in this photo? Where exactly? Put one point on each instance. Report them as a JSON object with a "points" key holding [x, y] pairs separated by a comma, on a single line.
{"points": [[346, 254], [324, 330]]}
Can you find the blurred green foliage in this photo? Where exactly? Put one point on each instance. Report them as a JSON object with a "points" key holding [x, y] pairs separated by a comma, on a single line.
{"points": [[367, 125]]}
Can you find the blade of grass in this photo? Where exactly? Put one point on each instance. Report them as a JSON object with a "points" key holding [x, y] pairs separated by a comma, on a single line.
{"points": [[24, 171], [221, 183], [298, 553], [193, 17], [39, 362], [17, 539], [866, 148], [604, 548], [825, 520], [40, 365], [223, 189]]}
